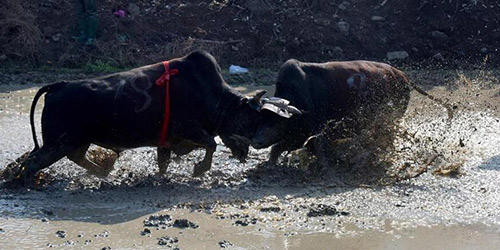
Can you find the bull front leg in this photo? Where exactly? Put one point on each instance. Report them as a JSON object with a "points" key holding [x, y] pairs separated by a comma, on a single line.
{"points": [[201, 138], [280, 147], [276, 151], [201, 167], [78, 156]]}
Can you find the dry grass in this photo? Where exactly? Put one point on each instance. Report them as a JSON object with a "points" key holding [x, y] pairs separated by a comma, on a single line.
{"points": [[19, 34]]}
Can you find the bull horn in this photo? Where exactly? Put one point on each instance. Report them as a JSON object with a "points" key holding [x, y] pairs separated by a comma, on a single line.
{"points": [[259, 95], [293, 110], [255, 101]]}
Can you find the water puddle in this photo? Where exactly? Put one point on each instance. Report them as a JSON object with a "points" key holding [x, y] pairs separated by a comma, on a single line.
{"points": [[244, 206]]}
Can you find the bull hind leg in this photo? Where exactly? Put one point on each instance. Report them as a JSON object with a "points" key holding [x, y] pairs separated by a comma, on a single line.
{"points": [[40, 159], [14, 169], [78, 156], [163, 159]]}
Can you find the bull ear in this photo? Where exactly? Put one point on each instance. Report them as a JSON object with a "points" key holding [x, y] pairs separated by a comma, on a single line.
{"points": [[244, 100]]}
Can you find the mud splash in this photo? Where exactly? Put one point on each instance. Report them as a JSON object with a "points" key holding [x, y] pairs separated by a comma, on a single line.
{"points": [[270, 203]]}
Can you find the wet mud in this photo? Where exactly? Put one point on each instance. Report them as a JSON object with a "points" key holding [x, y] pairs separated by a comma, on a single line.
{"points": [[255, 206]]}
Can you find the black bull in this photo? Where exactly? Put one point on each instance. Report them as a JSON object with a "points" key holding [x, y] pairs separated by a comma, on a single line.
{"points": [[354, 91], [125, 110]]}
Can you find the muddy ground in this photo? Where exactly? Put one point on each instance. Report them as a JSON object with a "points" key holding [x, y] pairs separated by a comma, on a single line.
{"points": [[251, 206]]}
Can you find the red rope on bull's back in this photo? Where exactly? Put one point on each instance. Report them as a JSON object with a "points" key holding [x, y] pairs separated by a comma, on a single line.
{"points": [[164, 80]]}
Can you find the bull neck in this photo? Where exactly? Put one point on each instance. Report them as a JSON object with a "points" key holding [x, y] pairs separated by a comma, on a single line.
{"points": [[229, 100]]}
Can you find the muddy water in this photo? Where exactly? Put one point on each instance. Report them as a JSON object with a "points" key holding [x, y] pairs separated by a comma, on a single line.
{"points": [[258, 207], [30, 234]]}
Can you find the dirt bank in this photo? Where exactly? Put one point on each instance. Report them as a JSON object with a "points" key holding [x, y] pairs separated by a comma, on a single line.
{"points": [[461, 33]]}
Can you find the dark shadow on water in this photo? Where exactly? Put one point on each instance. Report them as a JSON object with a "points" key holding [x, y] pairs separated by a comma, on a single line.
{"points": [[492, 163]]}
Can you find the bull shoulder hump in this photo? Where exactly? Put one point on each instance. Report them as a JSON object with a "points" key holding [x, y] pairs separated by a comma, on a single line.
{"points": [[291, 71]]}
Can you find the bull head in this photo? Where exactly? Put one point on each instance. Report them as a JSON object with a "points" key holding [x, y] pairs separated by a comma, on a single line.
{"points": [[276, 105]]}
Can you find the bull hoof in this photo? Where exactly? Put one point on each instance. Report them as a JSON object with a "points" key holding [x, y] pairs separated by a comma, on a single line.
{"points": [[162, 172], [13, 184], [30, 181], [270, 163], [200, 169], [102, 172], [22, 183]]}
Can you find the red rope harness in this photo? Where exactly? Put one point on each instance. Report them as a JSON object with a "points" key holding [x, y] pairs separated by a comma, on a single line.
{"points": [[165, 80]]}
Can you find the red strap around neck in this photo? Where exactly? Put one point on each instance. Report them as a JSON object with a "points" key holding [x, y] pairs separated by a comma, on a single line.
{"points": [[164, 80]]}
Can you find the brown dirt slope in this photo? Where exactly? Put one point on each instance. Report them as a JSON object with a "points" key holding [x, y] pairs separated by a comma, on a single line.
{"points": [[256, 32]]}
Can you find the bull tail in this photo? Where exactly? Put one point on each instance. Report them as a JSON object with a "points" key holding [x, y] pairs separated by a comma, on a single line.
{"points": [[448, 107], [40, 92]]}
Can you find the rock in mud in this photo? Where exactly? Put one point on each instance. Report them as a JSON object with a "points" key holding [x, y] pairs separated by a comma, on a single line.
{"points": [[145, 232], [343, 27], [106, 248], [47, 212], [45, 220], [377, 18], [61, 234], [338, 50], [397, 55], [270, 209], [183, 223], [133, 8], [245, 222], [225, 244], [324, 210], [439, 35], [168, 241], [2, 230], [103, 234], [438, 57], [157, 220], [69, 243]]}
